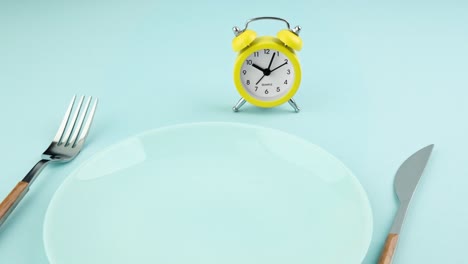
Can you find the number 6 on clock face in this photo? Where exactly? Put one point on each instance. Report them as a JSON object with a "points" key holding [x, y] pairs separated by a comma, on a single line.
{"points": [[267, 74]]}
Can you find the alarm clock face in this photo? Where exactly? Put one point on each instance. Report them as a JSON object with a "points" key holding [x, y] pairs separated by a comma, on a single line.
{"points": [[267, 74]]}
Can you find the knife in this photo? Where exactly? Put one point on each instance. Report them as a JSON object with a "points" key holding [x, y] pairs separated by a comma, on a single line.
{"points": [[406, 180]]}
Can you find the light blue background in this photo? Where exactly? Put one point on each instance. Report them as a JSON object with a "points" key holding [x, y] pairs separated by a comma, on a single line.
{"points": [[380, 81]]}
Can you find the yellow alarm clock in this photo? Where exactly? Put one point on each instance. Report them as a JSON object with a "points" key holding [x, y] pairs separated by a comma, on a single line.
{"points": [[267, 72]]}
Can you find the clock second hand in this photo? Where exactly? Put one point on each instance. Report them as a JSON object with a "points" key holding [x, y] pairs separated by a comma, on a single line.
{"points": [[271, 71], [260, 79], [278, 67]]}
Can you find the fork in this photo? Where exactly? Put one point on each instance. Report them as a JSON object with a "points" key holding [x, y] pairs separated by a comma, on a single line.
{"points": [[65, 146]]}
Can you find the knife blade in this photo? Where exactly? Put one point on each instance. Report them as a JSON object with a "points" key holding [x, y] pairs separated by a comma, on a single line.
{"points": [[405, 183]]}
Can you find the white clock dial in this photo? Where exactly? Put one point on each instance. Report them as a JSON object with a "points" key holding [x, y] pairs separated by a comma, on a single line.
{"points": [[267, 74]]}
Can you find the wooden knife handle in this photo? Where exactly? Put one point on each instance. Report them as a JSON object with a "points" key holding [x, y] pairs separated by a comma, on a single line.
{"points": [[389, 249], [10, 202]]}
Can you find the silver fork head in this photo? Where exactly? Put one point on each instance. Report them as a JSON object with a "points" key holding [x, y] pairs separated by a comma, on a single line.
{"points": [[73, 131]]}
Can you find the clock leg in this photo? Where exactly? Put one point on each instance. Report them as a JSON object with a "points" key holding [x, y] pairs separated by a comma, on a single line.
{"points": [[238, 105], [294, 105]]}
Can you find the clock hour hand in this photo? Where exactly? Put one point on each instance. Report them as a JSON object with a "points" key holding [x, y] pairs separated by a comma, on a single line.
{"points": [[257, 67]]}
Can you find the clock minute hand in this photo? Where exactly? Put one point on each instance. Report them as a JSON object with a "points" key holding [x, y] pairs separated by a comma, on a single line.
{"points": [[271, 61], [279, 67]]}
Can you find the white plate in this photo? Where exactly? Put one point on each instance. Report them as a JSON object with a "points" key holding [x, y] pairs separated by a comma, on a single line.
{"points": [[210, 193]]}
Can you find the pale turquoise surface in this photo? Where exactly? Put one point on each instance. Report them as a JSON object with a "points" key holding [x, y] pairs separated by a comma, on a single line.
{"points": [[381, 80], [210, 193]]}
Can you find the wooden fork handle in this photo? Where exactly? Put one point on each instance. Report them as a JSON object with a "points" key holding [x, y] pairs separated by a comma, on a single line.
{"points": [[389, 249], [10, 202]]}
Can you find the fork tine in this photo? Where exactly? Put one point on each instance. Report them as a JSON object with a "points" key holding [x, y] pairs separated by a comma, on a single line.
{"points": [[79, 124], [71, 124], [85, 129], [62, 126]]}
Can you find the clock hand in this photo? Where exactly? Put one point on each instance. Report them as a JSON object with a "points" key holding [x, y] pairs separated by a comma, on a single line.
{"points": [[278, 67], [257, 67], [260, 79], [271, 61], [266, 72]]}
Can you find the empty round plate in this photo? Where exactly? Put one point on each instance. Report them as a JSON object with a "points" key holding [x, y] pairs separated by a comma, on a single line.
{"points": [[210, 193]]}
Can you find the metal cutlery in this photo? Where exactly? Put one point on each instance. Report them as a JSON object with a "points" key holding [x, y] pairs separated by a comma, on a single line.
{"points": [[406, 180], [65, 146]]}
